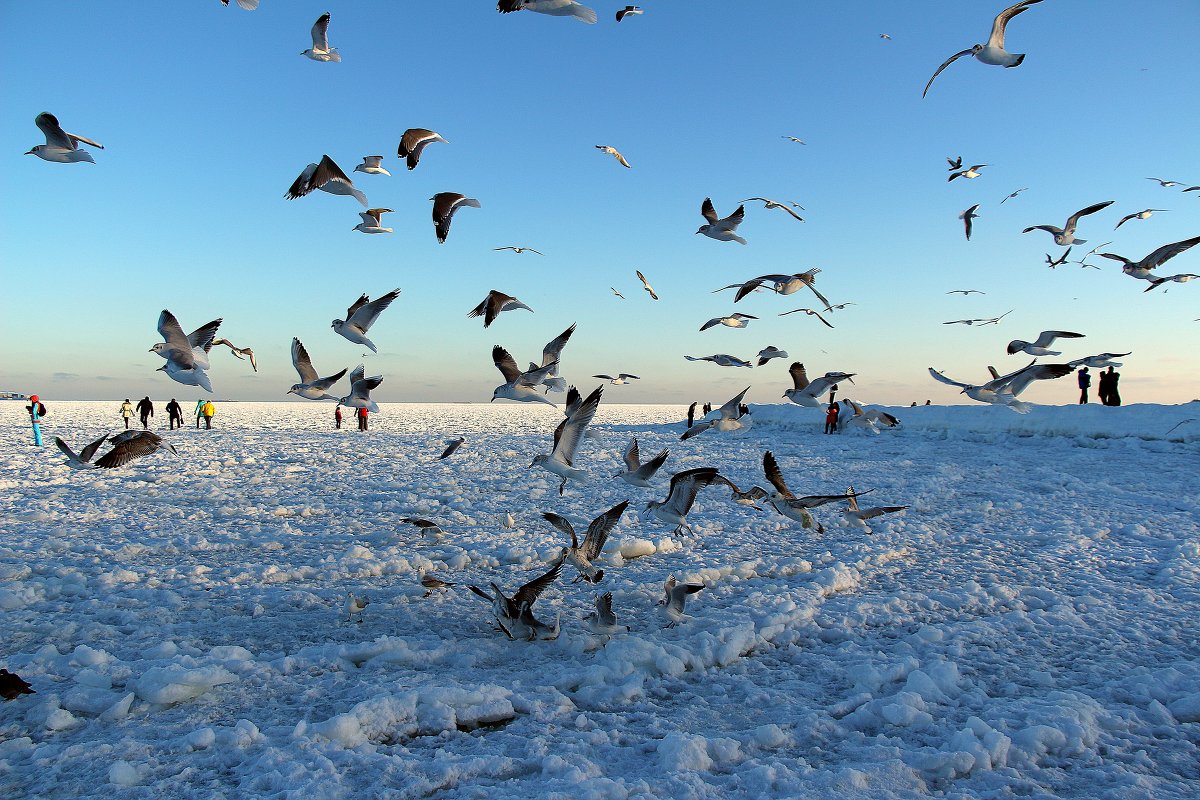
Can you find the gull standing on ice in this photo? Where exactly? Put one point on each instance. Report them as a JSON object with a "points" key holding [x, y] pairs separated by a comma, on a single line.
{"points": [[520, 250], [519, 386], [361, 316], [432, 583], [810, 312], [413, 141], [774, 204], [1141, 269], [621, 379], [360, 390], [722, 360], [555, 8], [622, 14], [355, 605], [320, 50], [514, 615], [372, 221], [1143, 214], [451, 447], [636, 473], [735, 320], [729, 418], [328, 177], [444, 206], [372, 165], [1039, 346], [310, 387], [676, 595], [1066, 235], [60, 147], [602, 621], [806, 393], [428, 527], [645, 285], [495, 303], [682, 495], [723, 230], [967, 217], [769, 352], [993, 53], [560, 460], [612, 151], [969, 172], [581, 555]]}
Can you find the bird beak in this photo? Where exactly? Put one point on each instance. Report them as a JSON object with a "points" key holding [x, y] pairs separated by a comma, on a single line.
{"points": [[28, 152]]}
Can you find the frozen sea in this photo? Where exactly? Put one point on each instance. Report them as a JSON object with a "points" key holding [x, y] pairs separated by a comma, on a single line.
{"points": [[1027, 628]]}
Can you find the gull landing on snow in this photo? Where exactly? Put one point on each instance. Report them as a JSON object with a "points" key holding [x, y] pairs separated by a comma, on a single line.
{"points": [[674, 600], [682, 495], [514, 615]]}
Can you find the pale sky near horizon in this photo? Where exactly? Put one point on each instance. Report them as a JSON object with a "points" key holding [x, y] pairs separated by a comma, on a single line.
{"points": [[208, 114]]}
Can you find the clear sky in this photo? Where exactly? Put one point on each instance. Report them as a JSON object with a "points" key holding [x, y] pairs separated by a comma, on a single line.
{"points": [[209, 113]]}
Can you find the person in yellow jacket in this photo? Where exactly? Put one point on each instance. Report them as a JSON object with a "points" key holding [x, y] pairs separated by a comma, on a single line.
{"points": [[208, 410], [127, 412]]}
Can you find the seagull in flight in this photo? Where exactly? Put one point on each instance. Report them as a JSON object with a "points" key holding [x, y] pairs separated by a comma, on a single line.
{"points": [[1040, 346], [808, 393], [241, 353], [780, 284], [444, 206], [1066, 235], [550, 361], [794, 139], [965, 292], [857, 516], [1052, 263], [582, 554], [492, 306], [518, 385], [636, 473], [514, 615], [681, 496], [621, 379], [721, 229], [372, 165], [1003, 391], [734, 320], [955, 163], [622, 14], [967, 217], [360, 316], [810, 312], [612, 151], [198, 343], [320, 50], [1166, 184], [728, 418], [1099, 361], [1141, 269], [131, 445], [993, 53], [567, 436], [519, 250], [969, 172], [310, 387], [1181, 278], [1014, 194], [675, 598], [776, 204], [1143, 214], [413, 142], [328, 177], [360, 390], [60, 147], [372, 221], [645, 285], [769, 352], [721, 360], [554, 8], [789, 505], [618, 294]]}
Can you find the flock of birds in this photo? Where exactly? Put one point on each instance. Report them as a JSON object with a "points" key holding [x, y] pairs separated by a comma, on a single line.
{"points": [[187, 355]]}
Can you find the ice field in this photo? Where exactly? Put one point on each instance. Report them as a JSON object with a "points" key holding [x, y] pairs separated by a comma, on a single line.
{"points": [[1027, 628]]}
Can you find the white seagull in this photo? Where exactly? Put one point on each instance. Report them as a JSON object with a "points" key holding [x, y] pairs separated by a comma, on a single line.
{"points": [[518, 385], [794, 139], [514, 615], [722, 360], [621, 379], [1039, 347], [360, 390], [1165, 184], [1145, 213], [372, 221], [1141, 269], [554, 8], [675, 597], [582, 554], [789, 505], [361, 316], [238, 352], [871, 417], [413, 141], [779, 284], [320, 50], [184, 361], [767, 203], [199, 341], [551, 360], [560, 460], [372, 165], [492, 306], [328, 177], [1003, 391], [735, 320], [636, 473], [444, 206], [1066, 235], [1013, 194], [602, 621], [806, 393], [612, 151], [684, 487], [721, 229], [1181, 278], [60, 147], [622, 14], [729, 418], [769, 352], [993, 53], [520, 250], [969, 172], [856, 516], [355, 605], [310, 387], [645, 285], [1099, 361], [810, 312]]}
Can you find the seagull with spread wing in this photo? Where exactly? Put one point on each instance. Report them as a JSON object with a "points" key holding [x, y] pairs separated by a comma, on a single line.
{"points": [[808, 393], [789, 505], [495, 303], [560, 460], [360, 316], [413, 141], [1003, 391], [1066, 235], [328, 177], [514, 614], [721, 229], [682, 495], [1040, 346], [1141, 270], [60, 147], [310, 387], [320, 50], [768, 203], [582, 554], [992, 53], [637, 473]]}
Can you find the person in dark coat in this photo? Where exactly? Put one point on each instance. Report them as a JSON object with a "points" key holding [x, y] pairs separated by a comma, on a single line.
{"points": [[175, 413], [1085, 380], [1102, 388], [1112, 395], [145, 410]]}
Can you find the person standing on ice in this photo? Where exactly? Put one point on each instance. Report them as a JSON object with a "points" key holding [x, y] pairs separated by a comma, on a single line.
{"points": [[36, 412], [831, 418], [127, 412], [175, 413], [362, 419], [1085, 380], [199, 411], [145, 410], [1112, 396], [208, 410], [337, 417]]}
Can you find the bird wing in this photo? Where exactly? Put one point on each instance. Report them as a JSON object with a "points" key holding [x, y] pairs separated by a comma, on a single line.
{"points": [[505, 363], [563, 524], [790, 211], [327, 171], [709, 213], [631, 456], [685, 485], [710, 323], [730, 409], [1162, 254], [1125, 219], [1002, 19], [945, 64], [365, 315], [55, 136], [303, 363], [731, 222], [320, 33], [597, 532], [799, 376], [416, 145], [204, 337], [554, 348], [941, 378], [775, 476], [604, 612], [66, 449], [624, 375], [1073, 220], [1046, 338], [356, 305], [818, 316], [966, 218], [680, 593], [1019, 381], [647, 470], [570, 430], [646, 284], [746, 288], [879, 511], [129, 450], [531, 591], [177, 342]]}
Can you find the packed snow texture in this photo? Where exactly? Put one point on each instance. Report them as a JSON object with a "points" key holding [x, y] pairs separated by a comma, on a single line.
{"points": [[1027, 628]]}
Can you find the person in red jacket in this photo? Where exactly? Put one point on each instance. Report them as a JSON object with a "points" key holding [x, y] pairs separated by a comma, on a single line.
{"points": [[831, 418], [337, 418], [362, 419]]}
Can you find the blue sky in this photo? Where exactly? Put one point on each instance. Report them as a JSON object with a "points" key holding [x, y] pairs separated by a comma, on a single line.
{"points": [[208, 114]]}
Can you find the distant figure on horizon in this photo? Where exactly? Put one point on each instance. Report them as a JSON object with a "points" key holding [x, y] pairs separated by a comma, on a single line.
{"points": [[362, 419], [1085, 380], [199, 411], [126, 412], [145, 410], [337, 417], [914, 404], [928, 402], [831, 418], [175, 413], [208, 410], [1109, 394]]}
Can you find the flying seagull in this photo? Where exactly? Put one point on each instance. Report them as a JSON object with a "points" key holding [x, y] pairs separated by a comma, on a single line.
{"points": [[675, 598], [618, 294], [645, 285], [514, 614], [636, 473], [808, 393], [520, 249], [793, 139], [495, 303], [810, 312], [126, 448], [857, 516], [328, 177], [444, 206], [1143, 214], [413, 141], [372, 165], [721, 360], [555, 8], [734, 320], [311, 387], [360, 316], [551, 355], [723, 230], [249, 5], [1166, 184], [967, 217], [582, 554], [451, 447], [622, 14], [602, 621], [60, 147], [682, 494], [775, 204], [372, 221], [728, 418], [1099, 361], [1066, 235], [518, 385], [1003, 391], [621, 379], [568, 434], [1052, 262], [969, 172], [320, 50], [779, 284], [788, 504], [84, 459], [749, 497], [993, 53], [769, 352], [1181, 278], [1141, 269], [612, 151], [186, 360], [1039, 347], [239, 352], [1014, 194], [360, 390], [965, 292]]}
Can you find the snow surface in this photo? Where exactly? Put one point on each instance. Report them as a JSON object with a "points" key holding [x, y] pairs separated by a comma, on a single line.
{"points": [[1026, 629]]}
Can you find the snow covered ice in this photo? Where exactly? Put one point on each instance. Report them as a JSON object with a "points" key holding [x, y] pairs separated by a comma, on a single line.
{"points": [[1026, 628]]}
